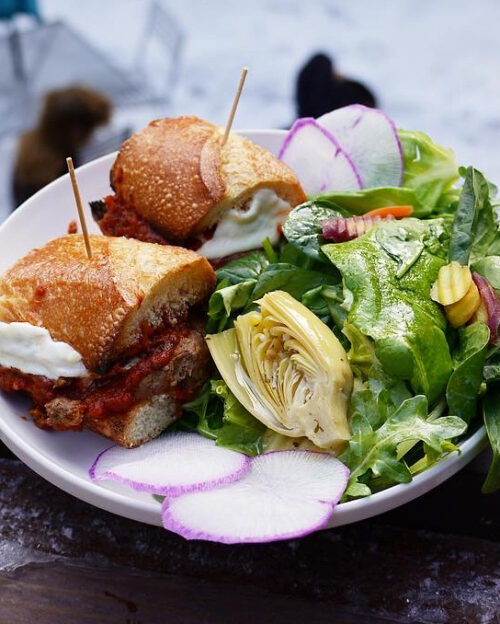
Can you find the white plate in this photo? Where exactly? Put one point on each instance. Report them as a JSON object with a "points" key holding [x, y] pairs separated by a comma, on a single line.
{"points": [[64, 458]]}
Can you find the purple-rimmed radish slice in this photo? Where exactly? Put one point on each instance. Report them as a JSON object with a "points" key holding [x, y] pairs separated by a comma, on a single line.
{"points": [[285, 494], [371, 139], [171, 465], [318, 160], [491, 304]]}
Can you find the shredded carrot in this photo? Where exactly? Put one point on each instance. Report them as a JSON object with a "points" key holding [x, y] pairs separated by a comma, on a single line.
{"points": [[398, 212]]}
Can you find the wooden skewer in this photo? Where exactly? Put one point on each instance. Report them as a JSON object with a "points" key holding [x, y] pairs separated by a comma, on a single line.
{"points": [[78, 200], [229, 124]]}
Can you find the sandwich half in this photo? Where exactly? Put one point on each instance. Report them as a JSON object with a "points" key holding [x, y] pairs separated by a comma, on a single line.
{"points": [[175, 182], [114, 344]]}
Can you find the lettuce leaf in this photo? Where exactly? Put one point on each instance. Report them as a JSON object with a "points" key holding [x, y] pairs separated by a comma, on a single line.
{"points": [[373, 451], [430, 170], [362, 201], [397, 313]]}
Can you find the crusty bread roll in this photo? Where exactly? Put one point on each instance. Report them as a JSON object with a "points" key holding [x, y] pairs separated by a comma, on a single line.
{"points": [[178, 176], [100, 306]]}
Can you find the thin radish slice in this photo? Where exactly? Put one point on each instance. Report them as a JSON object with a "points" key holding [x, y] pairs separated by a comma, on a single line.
{"points": [[170, 465], [285, 494], [318, 160], [371, 139]]}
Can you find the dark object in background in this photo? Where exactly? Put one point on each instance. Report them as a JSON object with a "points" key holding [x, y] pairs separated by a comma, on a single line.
{"points": [[320, 89], [67, 120]]}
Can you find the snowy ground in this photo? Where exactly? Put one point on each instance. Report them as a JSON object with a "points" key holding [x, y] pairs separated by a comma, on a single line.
{"points": [[434, 66]]}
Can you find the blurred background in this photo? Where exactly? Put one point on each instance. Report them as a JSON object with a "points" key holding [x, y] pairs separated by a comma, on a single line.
{"points": [[116, 64]]}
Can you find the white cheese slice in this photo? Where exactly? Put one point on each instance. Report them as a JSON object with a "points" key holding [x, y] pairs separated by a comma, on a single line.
{"points": [[32, 350], [244, 228]]}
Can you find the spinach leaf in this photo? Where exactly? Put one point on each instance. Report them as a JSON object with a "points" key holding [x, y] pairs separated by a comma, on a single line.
{"points": [[217, 414], [292, 279], [242, 269], [362, 201], [372, 452], [293, 255], [361, 354], [463, 386], [397, 313], [244, 281], [429, 169], [491, 370], [491, 414], [327, 303], [473, 199], [303, 228]]}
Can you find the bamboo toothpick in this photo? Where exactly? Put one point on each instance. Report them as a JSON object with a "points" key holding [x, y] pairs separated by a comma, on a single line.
{"points": [[78, 200], [229, 124]]}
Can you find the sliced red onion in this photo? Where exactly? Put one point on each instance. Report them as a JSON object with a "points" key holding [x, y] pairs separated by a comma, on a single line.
{"points": [[317, 159], [285, 494], [170, 465], [491, 304], [371, 139], [341, 229]]}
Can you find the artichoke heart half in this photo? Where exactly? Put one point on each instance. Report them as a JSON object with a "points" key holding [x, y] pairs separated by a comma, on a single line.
{"points": [[288, 369]]}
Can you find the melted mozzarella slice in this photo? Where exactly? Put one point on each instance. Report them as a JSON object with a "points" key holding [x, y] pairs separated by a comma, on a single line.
{"points": [[32, 350], [244, 228]]}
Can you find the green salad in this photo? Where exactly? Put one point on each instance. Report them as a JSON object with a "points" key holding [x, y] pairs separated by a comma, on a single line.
{"points": [[406, 361]]}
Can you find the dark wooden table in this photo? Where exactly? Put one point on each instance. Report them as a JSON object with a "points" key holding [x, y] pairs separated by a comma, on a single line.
{"points": [[436, 560]]}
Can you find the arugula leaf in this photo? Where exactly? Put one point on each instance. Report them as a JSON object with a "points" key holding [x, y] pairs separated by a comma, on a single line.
{"points": [[465, 382], [406, 325], [217, 414], [429, 169], [303, 228], [373, 452], [491, 414], [378, 399]]}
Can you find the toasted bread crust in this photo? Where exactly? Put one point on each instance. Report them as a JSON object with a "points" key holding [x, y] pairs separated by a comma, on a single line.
{"points": [[143, 422], [177, 174], [99, 306], [169, 175]]}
